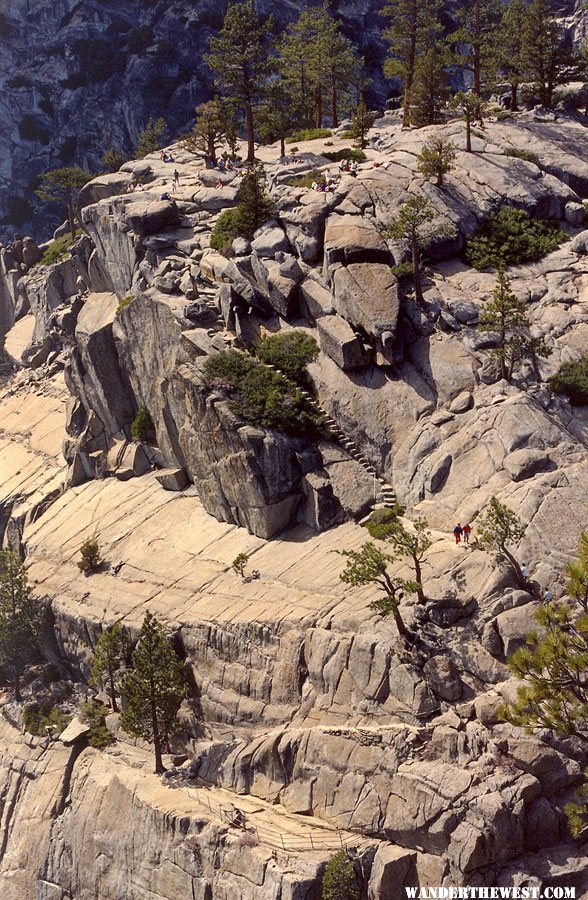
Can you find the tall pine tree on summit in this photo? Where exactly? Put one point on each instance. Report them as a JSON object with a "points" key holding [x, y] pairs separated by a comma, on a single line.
{"points": [[240, 61], [413, 30]]}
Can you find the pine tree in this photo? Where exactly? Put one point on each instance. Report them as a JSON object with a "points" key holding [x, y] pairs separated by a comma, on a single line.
{"points": [[152, 138], [475, 41], [240, 62], [470, 106], [507, 316], [577, 572], [108, 660], [555, 668], [413, 544], [416, 224], [277, 117], [64, 186], [497, 529], [255, 205], [209, 132], [510, 44], [154, 690], [543, 50], [296, 66], [436, 159], [112, 160], [361, 123], [429, 90], [20, 620], [369, 566], [342, 67], [413, 30], [340, 881]]}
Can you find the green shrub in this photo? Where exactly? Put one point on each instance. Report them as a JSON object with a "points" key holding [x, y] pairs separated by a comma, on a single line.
{"points": [[38, 715], [307, 180], [351, 153], [94, 715], [340, 882], [143, 428], [57, 250], [572, 380], [225, 230], [91, 557], [347, 135], [126, 301], [378, 524], [308, 134], [511, 237], [260, 396], [239, 564], [521, 154], [290, 352]]}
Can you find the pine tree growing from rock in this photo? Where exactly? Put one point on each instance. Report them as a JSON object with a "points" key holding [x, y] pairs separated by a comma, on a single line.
{"points": [[152, 138], [209, 132], [413, 544], [429, 90], [416, 224], [413, 30], [543, 50], [21, 620], [154, 689], [340, 881], [436, 159], [470, 106], [108, 660], [361, 123], [255, 205], [475, 41], [498, 529], [240, 62], [510, 45], [507, 317], [64, 186], [369, 565], [577, 572]]}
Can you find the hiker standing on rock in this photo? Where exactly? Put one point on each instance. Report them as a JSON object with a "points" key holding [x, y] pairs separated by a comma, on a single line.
{"points": [[458, 531], [176, 179], [466, 531]]}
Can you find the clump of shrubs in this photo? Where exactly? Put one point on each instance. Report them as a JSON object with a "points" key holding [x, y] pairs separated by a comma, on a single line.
{"points": [[307, 180], [526, 155], [510, 237], [254, 208], [94, 714], [260, 396], [91, 557], [572, 380], [142, 428], [308, 134], [56, 250], [351, 153], [225, 230], [39, 715], [290, 352]]}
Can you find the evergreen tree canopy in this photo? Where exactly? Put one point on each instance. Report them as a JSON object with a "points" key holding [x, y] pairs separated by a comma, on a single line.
{"points": [[154, 689], [475, 41], [21, 620], [239, 57], [413, 31], [429, 90], [498, 528], [510, 46], [64, 186], [152, 138], [544, 55], [108, 661], [209, 132], [436, 159], [340, 882]]}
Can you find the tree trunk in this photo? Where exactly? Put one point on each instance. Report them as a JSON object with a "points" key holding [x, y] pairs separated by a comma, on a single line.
{"points": [[159, 767], [334, 116], [250, 133], [524, 584], [112, 691], [477, 85], [416, 270], [410, 66], [282, 146], [71, 214], [514, 98], [319, 106], [468, 134], [402, 629], [418, 577], [16, 686]]}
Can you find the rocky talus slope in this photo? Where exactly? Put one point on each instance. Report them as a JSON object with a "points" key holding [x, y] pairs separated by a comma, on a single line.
{"points": [[308, 711]]}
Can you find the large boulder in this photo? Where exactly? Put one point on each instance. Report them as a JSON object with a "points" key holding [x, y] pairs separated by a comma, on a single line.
{"points": [[366, 295], [353, 239], [338, 340], [146, 217]]}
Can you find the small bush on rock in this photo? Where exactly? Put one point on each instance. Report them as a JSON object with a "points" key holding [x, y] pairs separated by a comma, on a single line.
{"points": [[260, 396], [340, 882], [290, 352], [351, 153], [39, 715], [94, 715], [572, 380], [239, 564], [143, 428], [126, 301], [511, 237], [56, 250], [225, 231], [308, 134], [91, 556], [526, 155]]}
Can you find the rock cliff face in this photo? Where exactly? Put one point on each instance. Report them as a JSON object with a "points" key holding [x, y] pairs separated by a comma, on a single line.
{"points": [[307, 706]]}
